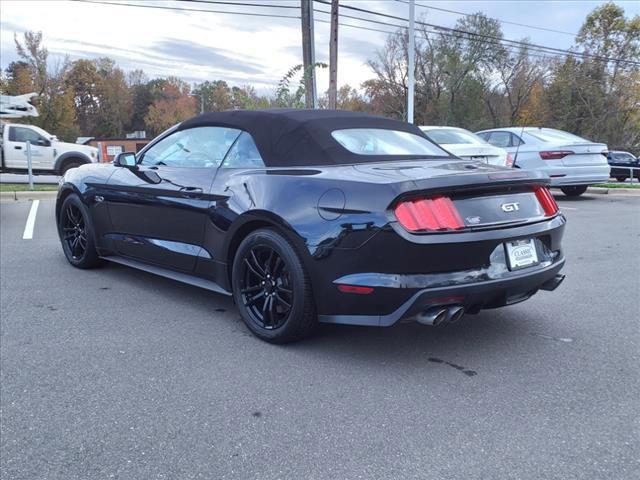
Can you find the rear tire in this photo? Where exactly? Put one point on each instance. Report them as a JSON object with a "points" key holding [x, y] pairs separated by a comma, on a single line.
{"points": [[271, 288], [76, 233], [574, 191]]}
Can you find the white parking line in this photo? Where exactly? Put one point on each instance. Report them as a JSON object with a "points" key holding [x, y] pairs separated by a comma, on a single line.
{"points": [[31, 220], [568, 208]]}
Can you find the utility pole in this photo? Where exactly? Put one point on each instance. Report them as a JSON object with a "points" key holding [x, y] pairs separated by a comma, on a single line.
{"points": [[308, 53], [411, 66], [333, 57]]}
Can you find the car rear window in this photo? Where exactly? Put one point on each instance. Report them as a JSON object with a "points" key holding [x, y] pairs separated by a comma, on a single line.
{"points": [[380, 141], [449, 136], [550, 135]]}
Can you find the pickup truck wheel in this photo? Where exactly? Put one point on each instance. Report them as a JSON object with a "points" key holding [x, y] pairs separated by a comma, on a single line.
{"points": [[69, 164], [75, 229]]}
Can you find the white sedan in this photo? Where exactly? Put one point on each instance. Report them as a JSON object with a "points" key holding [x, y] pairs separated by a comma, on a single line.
{"points": [[464, 144], [572, 162]]}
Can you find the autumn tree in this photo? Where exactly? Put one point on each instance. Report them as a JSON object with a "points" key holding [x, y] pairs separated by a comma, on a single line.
{"points": [[17, 79], [174, 106], [33, 73], [114, 97]]}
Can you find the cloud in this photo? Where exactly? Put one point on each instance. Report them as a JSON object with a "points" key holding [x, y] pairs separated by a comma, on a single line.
{"points": [[205, 56]]}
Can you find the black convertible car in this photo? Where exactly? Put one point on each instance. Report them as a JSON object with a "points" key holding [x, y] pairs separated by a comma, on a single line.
{"points": [[308, 216]]}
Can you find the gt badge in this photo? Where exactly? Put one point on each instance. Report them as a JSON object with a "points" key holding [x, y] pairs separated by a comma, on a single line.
{"points": [[510, 207]]}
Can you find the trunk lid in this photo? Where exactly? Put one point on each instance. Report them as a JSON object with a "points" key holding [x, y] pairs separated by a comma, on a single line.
{"points": [[583, 154], [485, 196]]}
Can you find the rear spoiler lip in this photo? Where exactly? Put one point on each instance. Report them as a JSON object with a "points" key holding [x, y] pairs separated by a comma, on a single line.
{"points": [[470, 181]]}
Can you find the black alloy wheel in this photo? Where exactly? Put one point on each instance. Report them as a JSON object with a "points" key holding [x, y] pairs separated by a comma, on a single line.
{"points": [[75, 231], [272, 289], [267, 293]]}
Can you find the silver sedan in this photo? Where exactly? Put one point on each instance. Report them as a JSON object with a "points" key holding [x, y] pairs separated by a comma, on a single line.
{"points": [[572, 162]]}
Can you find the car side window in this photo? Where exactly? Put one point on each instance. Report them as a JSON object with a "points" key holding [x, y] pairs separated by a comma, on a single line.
{"points": [[500, 139], [516, 140], [484, 136], [243, 154], [19, 134], [199, 147]]}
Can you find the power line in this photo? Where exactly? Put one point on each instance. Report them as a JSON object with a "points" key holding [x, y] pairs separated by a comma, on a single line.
{"points": [[445, 34], [499, 20], [481, 35], [159, 7]]}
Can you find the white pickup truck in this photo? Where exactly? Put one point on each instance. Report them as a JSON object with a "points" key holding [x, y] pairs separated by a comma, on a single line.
{"points": [[48, 154]]}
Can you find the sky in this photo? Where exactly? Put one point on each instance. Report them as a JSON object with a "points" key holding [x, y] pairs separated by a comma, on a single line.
{"points": [[254, 50]]}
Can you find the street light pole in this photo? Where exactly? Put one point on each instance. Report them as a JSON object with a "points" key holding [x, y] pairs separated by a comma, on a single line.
{"points": [[411, 66], [333, 57]]}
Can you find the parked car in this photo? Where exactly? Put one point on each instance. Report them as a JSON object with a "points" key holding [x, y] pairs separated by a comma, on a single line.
{"points": [[469, 146], [48, 154], [622, 164], [308, 216], [572, 162]]}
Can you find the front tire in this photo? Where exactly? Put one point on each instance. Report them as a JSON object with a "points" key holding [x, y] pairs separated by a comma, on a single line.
{"points": [[272, 289], [574, 191], [76, 233], [621, 179]]}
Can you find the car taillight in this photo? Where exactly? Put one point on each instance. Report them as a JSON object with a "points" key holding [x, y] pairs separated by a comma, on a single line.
{"points": [[509, 160], [555, 154], [429, 214], [547, 201]]}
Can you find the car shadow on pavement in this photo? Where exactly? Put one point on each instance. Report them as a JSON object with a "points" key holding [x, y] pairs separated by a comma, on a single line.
{"points": [[486, 334], [562, 198]]}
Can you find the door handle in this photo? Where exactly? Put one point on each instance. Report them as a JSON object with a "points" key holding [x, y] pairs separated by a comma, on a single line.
{"points": [[17, 147], [191, 192]]}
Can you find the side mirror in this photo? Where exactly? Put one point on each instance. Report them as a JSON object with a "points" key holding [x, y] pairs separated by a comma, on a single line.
{"points": [[125, 159], [42, 142]]}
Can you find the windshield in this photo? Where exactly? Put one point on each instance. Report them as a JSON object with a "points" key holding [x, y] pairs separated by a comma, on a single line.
{"points": [[550, 135], [380, 141], [451, 136]]}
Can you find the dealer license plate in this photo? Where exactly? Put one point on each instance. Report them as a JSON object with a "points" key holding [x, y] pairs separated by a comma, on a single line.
{"points": [[522, 253]]}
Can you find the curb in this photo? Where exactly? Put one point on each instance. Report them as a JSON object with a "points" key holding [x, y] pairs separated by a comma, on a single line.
{"points": [[8, 196], [630, 192]]}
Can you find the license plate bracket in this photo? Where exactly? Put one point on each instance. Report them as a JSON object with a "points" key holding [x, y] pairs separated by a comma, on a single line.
{"points": [[521, 253]]}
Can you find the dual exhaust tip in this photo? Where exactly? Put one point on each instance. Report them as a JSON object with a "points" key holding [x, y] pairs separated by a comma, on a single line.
{"points": [[440, 315]]}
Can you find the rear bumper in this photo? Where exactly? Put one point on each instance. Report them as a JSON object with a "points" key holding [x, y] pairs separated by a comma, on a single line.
{"points": [[578, 175], [475, 295]]}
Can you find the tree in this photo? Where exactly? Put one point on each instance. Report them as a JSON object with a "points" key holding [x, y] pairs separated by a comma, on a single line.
{"points": [[519, 74], [35, 55], [174, 106], [114, 96], [388, 90], [295, 99], [18, 79], [84, 81]]}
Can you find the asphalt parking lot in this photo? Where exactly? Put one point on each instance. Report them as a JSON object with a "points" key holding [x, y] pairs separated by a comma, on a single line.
{"points": [[115, 373]]}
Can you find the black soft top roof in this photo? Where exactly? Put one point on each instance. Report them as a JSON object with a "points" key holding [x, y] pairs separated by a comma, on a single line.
{"points": [[295, 137]]}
